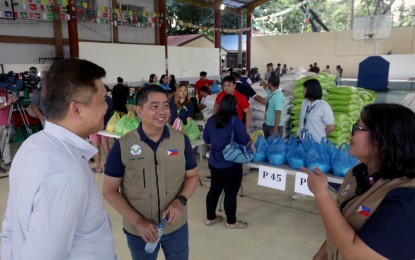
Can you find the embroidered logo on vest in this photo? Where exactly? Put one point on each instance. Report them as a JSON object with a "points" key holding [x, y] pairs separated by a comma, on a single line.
{"points": [[135, 149], [345, 190], [362, 210]]}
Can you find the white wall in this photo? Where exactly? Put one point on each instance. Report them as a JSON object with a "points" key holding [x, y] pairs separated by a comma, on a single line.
{"points": [[135, 63], [401, 66], [333, 48], [11, 53]]}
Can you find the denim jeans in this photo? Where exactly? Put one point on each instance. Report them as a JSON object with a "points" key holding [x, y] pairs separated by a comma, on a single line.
{"points": [[175, 245]]}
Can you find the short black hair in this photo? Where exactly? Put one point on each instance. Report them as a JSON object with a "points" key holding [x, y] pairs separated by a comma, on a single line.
{"points": [[270, 64], [243, 72], [142, 95], [227, 109], [236, 75], [204, 89], [274, 79], [391, 130], [66, 81], [230, 79], [314, 90], [161, 78], [203, 73], [120, 80]]}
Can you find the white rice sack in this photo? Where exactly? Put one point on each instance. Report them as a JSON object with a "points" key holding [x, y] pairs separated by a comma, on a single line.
{"points": [[255, 105], [257, 114], [287, 85]]}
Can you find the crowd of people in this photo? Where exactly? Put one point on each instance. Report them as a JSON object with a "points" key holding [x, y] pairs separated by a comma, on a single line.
{"points": [[56, 212]]}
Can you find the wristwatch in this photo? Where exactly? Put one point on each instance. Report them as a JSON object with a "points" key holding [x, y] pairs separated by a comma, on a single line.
{"points": [[182, 199]]}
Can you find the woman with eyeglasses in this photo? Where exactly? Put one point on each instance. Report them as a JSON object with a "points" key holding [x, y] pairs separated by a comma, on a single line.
{"points": [[373, 216]]}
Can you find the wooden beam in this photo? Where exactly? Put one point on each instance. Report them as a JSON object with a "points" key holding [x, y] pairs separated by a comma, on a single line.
{"points": [[114, 28], [30, 40], [210, 5]]}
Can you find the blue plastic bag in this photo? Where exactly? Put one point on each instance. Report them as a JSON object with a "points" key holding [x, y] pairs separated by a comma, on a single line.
{"points": [[270, 139], [342, 161], [328, 146], [296, 156], [276, 152], [214, 88], [318, 157], [290, 142], [308, 142], [261, 148]]}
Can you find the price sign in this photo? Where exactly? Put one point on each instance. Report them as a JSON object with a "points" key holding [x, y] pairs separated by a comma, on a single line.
{"points": [[272, 177], [301, 185]]}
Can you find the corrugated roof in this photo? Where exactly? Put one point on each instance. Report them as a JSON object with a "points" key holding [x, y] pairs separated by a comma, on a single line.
{"points": [[230, 42], [179, 40]]}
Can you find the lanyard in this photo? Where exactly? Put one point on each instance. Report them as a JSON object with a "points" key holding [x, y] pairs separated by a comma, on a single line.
{"points": [[308, 112], [269, 98]]}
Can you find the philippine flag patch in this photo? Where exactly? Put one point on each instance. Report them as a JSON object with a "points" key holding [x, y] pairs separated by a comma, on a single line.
{"points": [[172, 152], [365, 211]]}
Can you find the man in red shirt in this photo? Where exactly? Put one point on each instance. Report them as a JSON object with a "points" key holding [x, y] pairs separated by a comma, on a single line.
{"points": [[229, 86], [202, 82]]}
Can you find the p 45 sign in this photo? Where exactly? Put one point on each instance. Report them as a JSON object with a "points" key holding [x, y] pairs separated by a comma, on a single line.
{"points": [[272, 177]]}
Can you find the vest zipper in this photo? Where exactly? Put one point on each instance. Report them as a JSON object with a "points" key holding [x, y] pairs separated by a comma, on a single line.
{"points": [[157, 184], [144, 177]]}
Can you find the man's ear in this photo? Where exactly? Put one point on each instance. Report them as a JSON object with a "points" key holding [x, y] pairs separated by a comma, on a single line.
{"points": [[138, 110], [74, 109]]}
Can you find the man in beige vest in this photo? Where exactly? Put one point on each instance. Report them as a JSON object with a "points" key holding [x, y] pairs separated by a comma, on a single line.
{"points": [[149, 175]]}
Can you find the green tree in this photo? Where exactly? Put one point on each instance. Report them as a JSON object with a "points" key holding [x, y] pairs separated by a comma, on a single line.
{"points": [[177, 11]]}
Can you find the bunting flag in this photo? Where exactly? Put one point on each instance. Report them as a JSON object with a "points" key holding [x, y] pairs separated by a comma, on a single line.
{"points": [[55, 10]]}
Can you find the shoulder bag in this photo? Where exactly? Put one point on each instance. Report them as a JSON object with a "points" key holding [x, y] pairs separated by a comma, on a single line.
{"points": [[237, 153]]}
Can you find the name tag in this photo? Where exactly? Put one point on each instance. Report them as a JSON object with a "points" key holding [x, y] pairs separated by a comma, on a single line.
{"points": [[301, 185], [272, 177]]}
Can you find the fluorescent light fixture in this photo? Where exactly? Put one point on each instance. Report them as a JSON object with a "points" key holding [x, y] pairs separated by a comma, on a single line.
{"points": [[222, 7]]}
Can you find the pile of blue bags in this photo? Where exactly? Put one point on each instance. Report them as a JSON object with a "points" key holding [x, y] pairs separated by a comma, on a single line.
{"points": [[305, 152]]}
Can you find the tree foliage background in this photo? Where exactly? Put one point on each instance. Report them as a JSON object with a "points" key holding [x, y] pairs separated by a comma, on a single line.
{"points": [[333, 14]]}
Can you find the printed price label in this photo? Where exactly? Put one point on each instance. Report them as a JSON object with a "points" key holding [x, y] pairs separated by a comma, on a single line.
{"points": [[272, 177], [301, 185]]}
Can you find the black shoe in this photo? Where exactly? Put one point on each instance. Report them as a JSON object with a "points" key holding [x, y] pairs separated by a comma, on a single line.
{"points": [[91, 160], [208, 178], [8, 164]]}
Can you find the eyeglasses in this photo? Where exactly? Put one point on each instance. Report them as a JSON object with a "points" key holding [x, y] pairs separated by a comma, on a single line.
{"points": [[356, 126]]}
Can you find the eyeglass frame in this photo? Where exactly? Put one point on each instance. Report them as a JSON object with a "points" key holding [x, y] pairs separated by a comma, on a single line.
{"points": [[356, 126]]}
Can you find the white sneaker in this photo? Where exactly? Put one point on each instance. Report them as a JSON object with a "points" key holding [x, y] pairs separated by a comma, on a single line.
{"points": [[296, 196]]}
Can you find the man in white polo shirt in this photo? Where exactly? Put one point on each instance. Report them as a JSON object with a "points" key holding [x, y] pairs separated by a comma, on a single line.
{"points": [[54, 210]]}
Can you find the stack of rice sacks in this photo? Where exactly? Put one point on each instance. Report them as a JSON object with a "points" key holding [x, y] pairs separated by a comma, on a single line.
{"points": [[257, 109], [326, 80], [346, 103]]}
